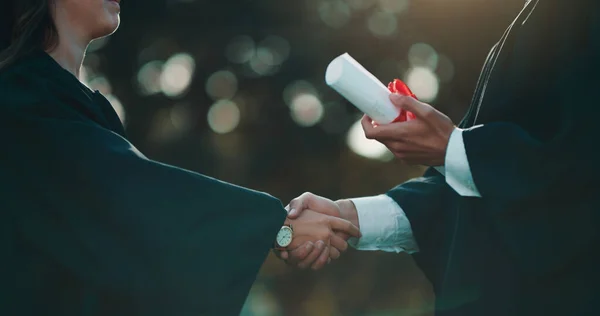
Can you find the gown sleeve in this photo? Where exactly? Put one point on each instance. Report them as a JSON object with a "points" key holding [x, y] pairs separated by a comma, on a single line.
{"points": [[167, 240]]}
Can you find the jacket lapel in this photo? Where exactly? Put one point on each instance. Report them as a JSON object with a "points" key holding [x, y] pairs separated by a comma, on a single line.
{"points": [[497, 57]]}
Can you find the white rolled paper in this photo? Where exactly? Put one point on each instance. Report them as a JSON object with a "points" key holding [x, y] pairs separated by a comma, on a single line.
{"points": [[350, 79]]}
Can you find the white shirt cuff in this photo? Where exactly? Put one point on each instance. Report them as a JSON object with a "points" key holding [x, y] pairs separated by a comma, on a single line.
{"points": [[457, 170], [384, 226]]}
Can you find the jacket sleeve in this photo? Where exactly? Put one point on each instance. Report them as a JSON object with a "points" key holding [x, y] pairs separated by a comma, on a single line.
{"points": [[180, 242], [425, 202]]}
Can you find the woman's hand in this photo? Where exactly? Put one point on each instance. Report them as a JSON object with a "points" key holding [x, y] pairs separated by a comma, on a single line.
{"points": [[316, 255]]}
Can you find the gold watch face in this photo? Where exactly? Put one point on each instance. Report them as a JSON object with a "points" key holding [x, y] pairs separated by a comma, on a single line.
{"points": [[284, 237]]}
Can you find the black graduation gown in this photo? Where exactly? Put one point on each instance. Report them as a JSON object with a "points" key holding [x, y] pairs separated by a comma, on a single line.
{"points": [[89, 226], [530, 245]]}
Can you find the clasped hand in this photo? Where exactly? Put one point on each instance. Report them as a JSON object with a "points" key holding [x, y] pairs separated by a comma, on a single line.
{"points": [[321, 231]]}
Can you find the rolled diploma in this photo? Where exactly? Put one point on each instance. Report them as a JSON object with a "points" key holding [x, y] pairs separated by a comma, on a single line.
{"points": [[350, 79]]}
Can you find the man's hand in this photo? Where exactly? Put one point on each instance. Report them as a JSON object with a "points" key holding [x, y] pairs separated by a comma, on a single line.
{"points": [[421, 141], [308, 254]]}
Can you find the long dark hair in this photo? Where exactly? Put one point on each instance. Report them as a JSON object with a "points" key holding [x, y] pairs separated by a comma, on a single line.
{"points": [[25, 26]]}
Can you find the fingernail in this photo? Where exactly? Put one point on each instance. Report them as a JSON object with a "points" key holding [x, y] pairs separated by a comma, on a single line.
{"points": [[309, 246], [287, 208], [396, 97], [320, 244], [292, 211]]}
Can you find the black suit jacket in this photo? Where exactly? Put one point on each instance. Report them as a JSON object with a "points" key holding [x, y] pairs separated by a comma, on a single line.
{"points": [[528, 246], [90, 226]]}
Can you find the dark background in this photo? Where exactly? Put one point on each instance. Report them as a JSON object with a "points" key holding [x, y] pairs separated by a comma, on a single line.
{"points": [[241, 126]]}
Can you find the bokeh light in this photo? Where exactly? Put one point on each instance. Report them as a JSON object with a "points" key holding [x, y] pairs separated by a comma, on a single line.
{"points": [[223, 116], [334, 13], [382, 23], [240, 49], [222, 84], [306, 109], [423, 82], [148, 78], [262, 63], [177, 74], [262, 302], [423, 55], [296, 88], [445, 69], [365, 147], [273, 50]]}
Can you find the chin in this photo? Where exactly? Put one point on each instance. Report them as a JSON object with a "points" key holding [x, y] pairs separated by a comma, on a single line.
{"points": [[107, 29]]}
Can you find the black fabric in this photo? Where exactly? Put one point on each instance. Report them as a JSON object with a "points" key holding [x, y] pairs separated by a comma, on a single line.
{"points": [[5, 24], [90, 226], [528, 246]]}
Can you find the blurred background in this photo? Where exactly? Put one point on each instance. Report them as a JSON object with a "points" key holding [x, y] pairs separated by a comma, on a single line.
{"points": [[235, 90]]}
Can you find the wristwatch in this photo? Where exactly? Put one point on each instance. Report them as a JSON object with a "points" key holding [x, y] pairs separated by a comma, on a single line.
{"points": [[284, 237]]}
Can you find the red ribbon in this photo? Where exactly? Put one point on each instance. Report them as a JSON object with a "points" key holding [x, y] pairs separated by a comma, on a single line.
{"points": [[397, 86]]}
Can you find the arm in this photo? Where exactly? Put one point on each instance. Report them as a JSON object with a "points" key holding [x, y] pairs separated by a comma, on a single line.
{"points": [[133, 226], [408, 214]]}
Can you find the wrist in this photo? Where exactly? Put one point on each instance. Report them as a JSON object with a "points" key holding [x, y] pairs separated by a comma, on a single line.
{"points": [[348, 211]]}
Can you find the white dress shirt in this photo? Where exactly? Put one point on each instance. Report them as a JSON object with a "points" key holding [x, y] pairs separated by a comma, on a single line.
{"points": [[383, 223]]}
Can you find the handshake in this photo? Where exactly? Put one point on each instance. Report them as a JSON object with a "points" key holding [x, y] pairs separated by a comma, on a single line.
{"points": [[321, 229]]}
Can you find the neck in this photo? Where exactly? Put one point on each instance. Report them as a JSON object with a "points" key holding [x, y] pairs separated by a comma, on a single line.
{"points": [[70, 57], [71, 47]]}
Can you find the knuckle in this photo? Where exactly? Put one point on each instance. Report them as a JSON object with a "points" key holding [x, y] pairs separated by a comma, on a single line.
{"points": [[301, 254], [429, 112]]}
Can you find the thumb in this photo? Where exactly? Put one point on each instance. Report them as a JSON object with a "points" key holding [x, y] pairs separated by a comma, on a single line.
{"points": [[420, 109], [296, 207]]}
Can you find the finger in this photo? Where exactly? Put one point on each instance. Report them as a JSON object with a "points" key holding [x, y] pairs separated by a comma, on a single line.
{"points": [[395, 146], [300, 253], [387, 132], [368, 128], [313, 202], [420, 109], [334, 253], [281, 254], [322, 260], [314, 254], [345, 226], [342, 235], [299, 204], [338, 243]]}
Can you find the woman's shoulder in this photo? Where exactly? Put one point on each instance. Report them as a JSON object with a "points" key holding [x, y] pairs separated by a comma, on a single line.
{"points": [[26, 89], [20, 88]]}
